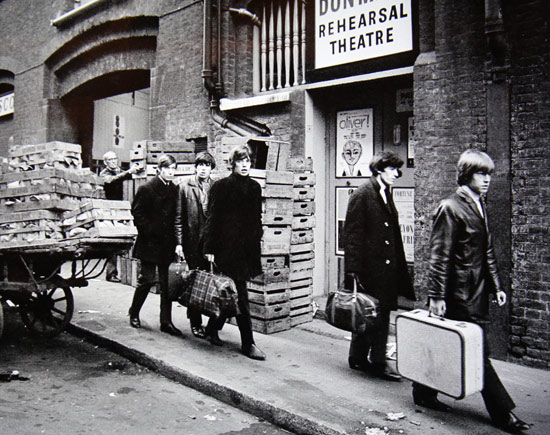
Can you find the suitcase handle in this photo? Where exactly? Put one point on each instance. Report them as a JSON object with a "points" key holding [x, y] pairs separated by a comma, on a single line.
{"points": [[439, 317]]}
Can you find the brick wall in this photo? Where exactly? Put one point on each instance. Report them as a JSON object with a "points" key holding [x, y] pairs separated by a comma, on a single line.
{"points": [[528, 27], [449, 111]]}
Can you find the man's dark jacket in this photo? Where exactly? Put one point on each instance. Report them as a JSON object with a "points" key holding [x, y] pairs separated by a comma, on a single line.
{"points": [[233, 229], [463, 268], [373, 245], [154, 210], [190, 222]]}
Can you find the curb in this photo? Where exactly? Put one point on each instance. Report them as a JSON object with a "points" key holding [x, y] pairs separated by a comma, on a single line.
{"points": [[287, 420]]}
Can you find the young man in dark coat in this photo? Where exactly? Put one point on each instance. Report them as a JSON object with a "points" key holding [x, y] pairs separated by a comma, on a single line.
{"points": [[232, 238], [463, 276], [375, 258], [154, 210], [191, 212]]}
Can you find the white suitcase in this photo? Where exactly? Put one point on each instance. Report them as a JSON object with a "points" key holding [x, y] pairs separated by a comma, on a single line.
{"points": [[443, 354]]}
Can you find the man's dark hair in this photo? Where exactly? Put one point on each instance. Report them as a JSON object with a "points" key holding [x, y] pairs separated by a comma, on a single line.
{"points": [[470, 162], [206, 158], [165, 160], [238, 153], [382, 160]]}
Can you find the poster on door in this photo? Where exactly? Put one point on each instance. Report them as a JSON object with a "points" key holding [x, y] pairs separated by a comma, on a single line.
{"points": [[342, 198], [354, 143], [403, 198]]}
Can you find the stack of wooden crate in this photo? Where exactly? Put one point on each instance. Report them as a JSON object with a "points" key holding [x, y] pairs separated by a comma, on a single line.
{"points": [[301, 259], [99, 218], [43, 184], [269, 293], [146, 153]]}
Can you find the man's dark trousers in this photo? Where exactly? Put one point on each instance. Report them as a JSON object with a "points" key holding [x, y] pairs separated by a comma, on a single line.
{"points": [[145, 281]]}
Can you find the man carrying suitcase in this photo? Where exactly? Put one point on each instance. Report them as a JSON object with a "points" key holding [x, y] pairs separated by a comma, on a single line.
{"points": [[463, 276]]}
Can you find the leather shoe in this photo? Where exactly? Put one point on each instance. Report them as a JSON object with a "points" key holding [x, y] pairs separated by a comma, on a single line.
{"points": [[431, 402], [134, 322], [113, 278], [385, 372], [254, 353], [513, 424], [198, 331], [168, 328], [360, 366]]}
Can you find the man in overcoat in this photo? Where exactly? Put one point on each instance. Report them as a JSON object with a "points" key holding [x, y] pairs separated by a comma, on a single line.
{"points": [[191, 212], [375, 258], [154, 210], [463, 276], [232, 237]]}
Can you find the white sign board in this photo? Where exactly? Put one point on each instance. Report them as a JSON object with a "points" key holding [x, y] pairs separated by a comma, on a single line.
{"points": [[403, 197], [6, 104], [355, 30]]}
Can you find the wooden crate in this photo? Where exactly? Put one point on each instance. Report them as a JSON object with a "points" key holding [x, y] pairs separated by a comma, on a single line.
{"points": [[299, 164], [277, 211], [303, 222], [273, 274], [304, 179], [29, 227], [303, 193], [301, 236], [270, 296], [263, 177], [56, 202], [303, 208], [301, 317], [273, 261], [278, 154], [269, 311], [275, 240], [99, 218], [297, 266], [271, 326], [50, 154], [128, 270]]}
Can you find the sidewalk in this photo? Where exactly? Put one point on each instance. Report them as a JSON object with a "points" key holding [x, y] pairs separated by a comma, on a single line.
{"points": [[305, 384]]}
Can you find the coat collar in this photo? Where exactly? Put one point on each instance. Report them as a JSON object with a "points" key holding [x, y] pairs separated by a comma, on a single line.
{"points": [[160, 186], [465, 195]]}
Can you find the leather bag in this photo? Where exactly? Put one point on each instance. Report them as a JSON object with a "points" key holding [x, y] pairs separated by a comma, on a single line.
{"points": [[178, 279], [351, 310]]}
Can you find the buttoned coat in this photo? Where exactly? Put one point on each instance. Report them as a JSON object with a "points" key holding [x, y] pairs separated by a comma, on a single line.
{"points": [[233, 230], [373, 245], [463, 268], [190, 221], [154, 210]]}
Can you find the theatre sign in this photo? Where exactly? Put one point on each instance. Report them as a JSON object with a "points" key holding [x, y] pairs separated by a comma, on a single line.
{"points": [[355, 30]]}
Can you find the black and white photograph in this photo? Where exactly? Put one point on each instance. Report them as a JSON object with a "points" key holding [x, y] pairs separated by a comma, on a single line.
{"points": [[325, 217]]}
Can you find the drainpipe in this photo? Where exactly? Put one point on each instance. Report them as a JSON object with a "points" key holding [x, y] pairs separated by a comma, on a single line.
{"points": [[214, 85], [247, 14], [494, 32]]}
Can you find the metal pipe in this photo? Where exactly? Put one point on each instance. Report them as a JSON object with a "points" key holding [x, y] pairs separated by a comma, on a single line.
{"points": [[246, 13]]}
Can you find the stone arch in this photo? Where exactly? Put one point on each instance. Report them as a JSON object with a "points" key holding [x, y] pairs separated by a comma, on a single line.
{"points": [[111, 58]]}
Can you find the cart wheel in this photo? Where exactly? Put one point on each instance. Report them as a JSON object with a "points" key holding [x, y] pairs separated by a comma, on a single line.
{"points": [[47, 313]]}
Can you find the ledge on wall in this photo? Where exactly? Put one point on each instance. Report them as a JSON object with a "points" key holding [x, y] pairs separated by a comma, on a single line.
{"points": [[260, 100], [73, 13]]}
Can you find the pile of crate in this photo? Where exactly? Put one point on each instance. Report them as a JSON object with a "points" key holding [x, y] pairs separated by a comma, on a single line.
{"points": [[302, 253], [42, 183], [146, 153], [282, 296], [269, 293]]}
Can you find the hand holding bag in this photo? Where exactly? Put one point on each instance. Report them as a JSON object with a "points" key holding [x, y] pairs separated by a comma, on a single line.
{"points": [[350, 310], [178, 275]]}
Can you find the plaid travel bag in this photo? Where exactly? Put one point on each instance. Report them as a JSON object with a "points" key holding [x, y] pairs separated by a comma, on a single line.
{"points": [[211, 293]]}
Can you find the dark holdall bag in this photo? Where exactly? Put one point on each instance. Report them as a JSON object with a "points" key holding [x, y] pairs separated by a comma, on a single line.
{"points": [[178, 279], [351, 310]]}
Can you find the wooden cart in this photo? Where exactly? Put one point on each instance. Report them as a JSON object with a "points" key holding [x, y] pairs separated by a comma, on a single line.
{"points": [[30, 279]]}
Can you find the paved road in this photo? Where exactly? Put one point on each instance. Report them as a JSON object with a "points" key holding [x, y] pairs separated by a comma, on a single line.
{"points": [[76, 388]]}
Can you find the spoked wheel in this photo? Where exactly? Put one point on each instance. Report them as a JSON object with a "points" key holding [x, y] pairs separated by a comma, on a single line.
{"points": [[47, 313]]}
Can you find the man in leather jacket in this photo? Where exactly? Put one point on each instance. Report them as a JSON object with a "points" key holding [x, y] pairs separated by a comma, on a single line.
{"points": [[463, 276]]}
